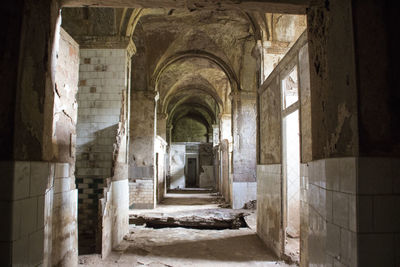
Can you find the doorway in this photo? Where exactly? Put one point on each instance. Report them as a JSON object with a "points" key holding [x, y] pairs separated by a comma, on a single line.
{"points": [[191, 173], [291, 161]]}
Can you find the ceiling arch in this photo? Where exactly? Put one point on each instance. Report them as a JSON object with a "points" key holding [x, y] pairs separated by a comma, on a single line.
{"points": [[188, 105], [230, 74], [196, 90]]}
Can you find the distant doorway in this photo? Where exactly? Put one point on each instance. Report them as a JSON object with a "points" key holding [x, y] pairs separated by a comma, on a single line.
{"points": [[191, 172]]}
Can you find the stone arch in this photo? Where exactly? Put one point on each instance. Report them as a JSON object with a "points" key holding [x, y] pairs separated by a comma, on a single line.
{"points": [[184, 103], [193, 89], [232, 77]]}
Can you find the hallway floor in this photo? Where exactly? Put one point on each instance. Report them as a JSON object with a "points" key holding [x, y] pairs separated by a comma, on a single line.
{"points": [[188, 247]]}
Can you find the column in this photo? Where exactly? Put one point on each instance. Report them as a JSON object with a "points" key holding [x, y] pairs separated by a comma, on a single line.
{"points": [[215, 134], [225, 144], [225, 130], [102, 114], [169, 133], [244, 126], [162, 125], [141, 159]]}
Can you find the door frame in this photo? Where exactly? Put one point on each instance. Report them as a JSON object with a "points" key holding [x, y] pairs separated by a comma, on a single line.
{"points": [[191, 156]]}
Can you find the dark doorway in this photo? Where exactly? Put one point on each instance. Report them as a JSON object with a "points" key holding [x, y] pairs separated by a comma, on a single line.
{"points": [[191, 173]]}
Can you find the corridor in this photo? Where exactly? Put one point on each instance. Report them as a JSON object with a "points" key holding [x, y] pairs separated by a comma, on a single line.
{"points": [[137, 132], [188, 247]]}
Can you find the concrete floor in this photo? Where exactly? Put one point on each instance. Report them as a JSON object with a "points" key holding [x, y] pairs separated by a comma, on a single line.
{"points": [[188, 247]]}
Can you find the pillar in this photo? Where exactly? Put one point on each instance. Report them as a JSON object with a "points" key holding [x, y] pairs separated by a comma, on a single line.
{"points": [[104, 87], [141, 158], [225, 130], [244, 115], [162, 125], [225, 151], [215, 134], [210, 136], [169, 133]]}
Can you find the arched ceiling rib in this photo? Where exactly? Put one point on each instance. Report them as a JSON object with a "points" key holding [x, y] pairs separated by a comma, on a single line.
{"points": [[194, 103], [192, 75], [202, 58], [172, 99], [195, 113]]}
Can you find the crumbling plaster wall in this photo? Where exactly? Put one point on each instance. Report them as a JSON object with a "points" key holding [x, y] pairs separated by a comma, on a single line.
{"points": [[65, 206], [38, 100], [334, 121]]}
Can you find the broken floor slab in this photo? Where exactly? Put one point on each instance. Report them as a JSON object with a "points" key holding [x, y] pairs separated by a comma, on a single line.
{"points": [[196, 219]]}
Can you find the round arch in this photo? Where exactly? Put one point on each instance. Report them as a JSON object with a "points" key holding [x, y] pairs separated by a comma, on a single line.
{"points": [[190, 89], [235, 85]]}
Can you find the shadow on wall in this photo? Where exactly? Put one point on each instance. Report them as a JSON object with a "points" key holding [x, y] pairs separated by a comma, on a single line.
{"points": [[94, 160]]}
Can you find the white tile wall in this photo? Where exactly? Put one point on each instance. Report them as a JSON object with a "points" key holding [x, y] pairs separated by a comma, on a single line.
{"points": [[61, 170], [362, 211], [269, 206], [39, 178], [102, 80], [378, 208], [332, 214], [22, 172], [32, 209]]}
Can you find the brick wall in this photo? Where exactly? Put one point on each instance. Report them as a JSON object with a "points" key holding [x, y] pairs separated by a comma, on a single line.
{"points": [[102, 81], [141, 194]]}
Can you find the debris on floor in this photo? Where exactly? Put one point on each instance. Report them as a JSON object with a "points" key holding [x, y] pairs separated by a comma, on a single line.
{"points": [[292, 250], [196, 219], [224, 205], [177, 246], [251, 205]]}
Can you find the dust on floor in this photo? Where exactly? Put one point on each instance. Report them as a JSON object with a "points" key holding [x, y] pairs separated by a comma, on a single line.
{"points": [[188, 247]]}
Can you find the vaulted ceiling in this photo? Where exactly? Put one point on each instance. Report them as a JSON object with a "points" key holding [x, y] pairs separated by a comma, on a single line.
{"points": [[193, 56]]}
